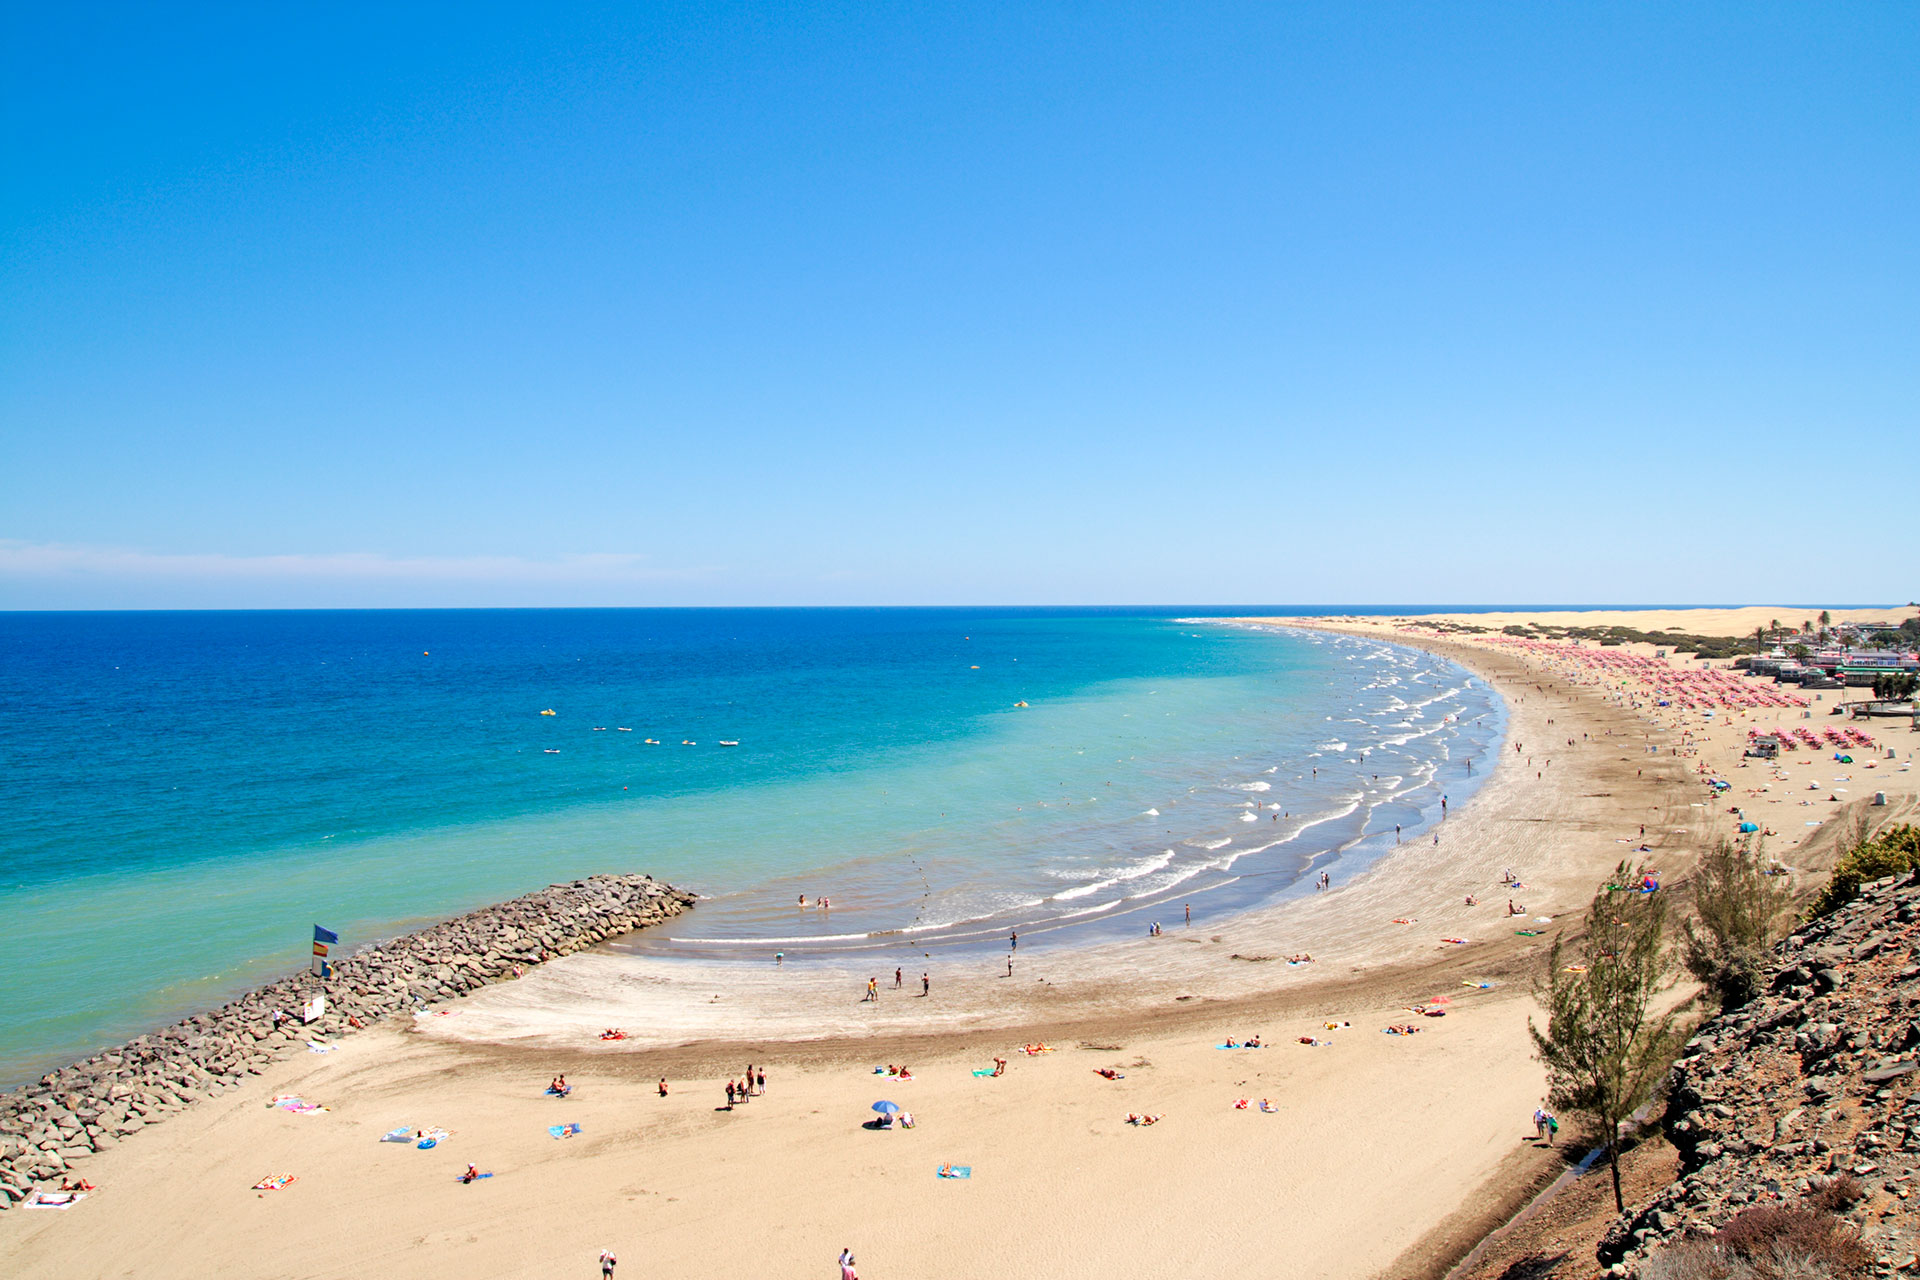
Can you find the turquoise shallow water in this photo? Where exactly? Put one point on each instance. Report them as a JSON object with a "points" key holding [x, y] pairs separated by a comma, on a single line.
{"points": [[187, 794]]}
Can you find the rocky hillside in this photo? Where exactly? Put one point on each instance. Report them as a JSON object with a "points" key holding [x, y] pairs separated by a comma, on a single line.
{"points": [[1807, 1098]]}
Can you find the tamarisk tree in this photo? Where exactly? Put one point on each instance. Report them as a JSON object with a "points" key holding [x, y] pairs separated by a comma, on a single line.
{"points": [[1737, 908], [1605, 1048]]}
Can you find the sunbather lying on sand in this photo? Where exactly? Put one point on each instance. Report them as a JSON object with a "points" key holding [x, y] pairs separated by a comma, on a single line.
{"points": [[1109, 1073], [1142, 1119]]}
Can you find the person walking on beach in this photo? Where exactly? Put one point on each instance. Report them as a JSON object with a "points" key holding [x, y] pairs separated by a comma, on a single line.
{"points": [[607, 1264], [926, 985], [873, 989], [1009, 966], [760, 1078], [729, 1095], [1189, 913], [846, 1265], [1013, 940], [896, 979]]}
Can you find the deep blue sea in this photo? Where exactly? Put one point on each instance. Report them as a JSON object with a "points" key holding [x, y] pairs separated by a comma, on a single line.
{"points": [[184, 795]]}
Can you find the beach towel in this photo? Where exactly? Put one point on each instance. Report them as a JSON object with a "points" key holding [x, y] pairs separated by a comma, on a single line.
{"points": [[563, 1130], [55, 1199], [275, 1182], [314, 1046], [1527, 933], [1239, 1046], [403, 1134], [983, 1071], [1268, 1107], [476, 1177], [955, 1171], [430, 1139], [1239, 1104]]}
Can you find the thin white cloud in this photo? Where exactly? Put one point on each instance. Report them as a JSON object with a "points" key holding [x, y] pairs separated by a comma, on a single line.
{"points": [[45, 561]]}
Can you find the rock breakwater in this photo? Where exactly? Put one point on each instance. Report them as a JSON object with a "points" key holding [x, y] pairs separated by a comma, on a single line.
{"points": [[50, 1126], [1808, 1095]]}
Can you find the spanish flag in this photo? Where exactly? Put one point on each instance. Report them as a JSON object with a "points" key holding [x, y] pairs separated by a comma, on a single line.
{"points": [[320, 948]]}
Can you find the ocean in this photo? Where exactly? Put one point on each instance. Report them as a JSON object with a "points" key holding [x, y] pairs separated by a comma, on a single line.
{"points": [[186, 794]]}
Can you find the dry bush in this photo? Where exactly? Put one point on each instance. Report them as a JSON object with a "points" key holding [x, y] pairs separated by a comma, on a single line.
{"points": [[1772, 1243], [1774, 1240], [1693, 1260], [1839, 1195]]}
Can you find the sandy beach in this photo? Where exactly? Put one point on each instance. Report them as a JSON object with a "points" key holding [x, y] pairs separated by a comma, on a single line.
{"points": [[1377, 1149]]}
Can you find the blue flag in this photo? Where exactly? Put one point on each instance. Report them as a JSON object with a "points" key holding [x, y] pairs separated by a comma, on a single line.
{"points": [[324, 935]]}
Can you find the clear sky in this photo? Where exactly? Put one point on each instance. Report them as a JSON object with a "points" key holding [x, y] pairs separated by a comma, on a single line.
{"points": [[309, 304]]}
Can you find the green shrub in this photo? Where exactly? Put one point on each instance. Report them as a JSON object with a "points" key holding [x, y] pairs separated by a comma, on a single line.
{"points": [[1893, 852]]}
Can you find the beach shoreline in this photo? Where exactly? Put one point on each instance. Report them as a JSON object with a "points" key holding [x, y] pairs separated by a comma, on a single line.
{"points": [[1377, 1142]]}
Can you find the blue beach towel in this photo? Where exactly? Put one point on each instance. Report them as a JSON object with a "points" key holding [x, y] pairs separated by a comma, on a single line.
{"points": [[563, 1130], [984, 1071], [1239, 1046], [956, 1171]]}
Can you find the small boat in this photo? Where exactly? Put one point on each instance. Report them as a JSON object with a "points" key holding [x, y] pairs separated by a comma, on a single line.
{"points": [[728, 742], [553, 751], [688, 742], [599, 728], [549, 712], [654, 742], [620, 728]]}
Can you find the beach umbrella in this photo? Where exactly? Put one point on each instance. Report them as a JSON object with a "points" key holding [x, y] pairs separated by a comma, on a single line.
{"points": [[886, 1108]]}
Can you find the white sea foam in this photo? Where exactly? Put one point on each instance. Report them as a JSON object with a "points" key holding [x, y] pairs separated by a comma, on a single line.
{"points": [[1252, 786], [1197, 843], [1151, 813]]}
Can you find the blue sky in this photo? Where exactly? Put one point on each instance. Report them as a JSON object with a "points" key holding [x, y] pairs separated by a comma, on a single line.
{"points": [[317, 305]]}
